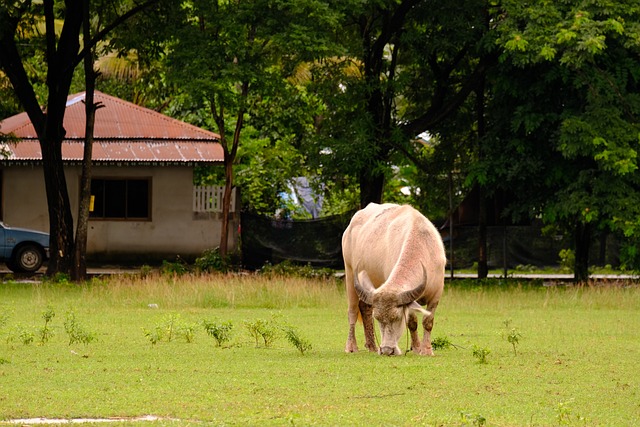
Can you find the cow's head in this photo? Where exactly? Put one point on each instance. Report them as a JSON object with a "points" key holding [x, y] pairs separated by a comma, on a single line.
{"points": [[391, 309]]}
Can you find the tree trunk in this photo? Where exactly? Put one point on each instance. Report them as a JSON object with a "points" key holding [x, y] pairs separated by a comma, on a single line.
{"points": [[60, 218], [371, 187], [582, 242], [483, 269], [226, 207], [79, 269]]}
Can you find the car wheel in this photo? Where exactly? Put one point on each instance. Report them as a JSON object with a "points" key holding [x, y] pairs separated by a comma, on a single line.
{"points": [[27, 258]]}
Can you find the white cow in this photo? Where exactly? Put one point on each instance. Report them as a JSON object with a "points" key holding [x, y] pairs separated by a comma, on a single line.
{"points": [[394, 261]]}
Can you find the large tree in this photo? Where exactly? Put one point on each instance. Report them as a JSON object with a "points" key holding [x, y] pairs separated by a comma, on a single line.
{"points": [[416, 63], [233, 59], [63, 52], [565, 117]]}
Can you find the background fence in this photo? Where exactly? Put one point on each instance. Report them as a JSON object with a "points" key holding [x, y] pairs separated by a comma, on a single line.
{"points": [[208, 198]]}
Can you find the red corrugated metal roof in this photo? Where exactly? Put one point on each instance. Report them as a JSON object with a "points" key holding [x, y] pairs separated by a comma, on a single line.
{"points": [[124, 132]]}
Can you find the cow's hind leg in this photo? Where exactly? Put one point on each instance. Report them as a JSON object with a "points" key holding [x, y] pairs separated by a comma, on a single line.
{"points": [[367, 322], [412, 325]]}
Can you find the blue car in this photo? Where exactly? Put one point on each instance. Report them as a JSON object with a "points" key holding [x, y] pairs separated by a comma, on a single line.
{"points": [[23, 250]]}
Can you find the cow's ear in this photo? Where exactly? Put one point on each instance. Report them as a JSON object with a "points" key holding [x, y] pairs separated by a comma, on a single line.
{"points": [[414, 306]]}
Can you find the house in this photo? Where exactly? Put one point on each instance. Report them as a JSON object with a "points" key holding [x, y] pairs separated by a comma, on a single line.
{"points": [[144, 203]]}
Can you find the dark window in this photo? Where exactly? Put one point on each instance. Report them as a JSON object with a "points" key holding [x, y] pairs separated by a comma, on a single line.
{"points": [[121, 198]]}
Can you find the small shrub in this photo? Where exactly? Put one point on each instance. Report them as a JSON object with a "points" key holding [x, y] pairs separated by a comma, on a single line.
{"points": [[481, 353], [220, 332], [22, 334], [441, 343], [155, 335], [296, 340], [146, 270], [187, 331], [290, 269], [76, 332], [513, 337], [45, 332], [266, 330], [177, 267], [567, 259], [212, 261], [472, 419]]}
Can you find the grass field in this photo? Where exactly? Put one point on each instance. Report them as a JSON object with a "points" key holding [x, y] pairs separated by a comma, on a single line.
{"points": [[520, 355]]}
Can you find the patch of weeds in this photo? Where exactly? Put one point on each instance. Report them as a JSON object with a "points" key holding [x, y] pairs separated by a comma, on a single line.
{"points": [[171, 325], [58, 279], [299, 342], [22, 334], [290, 269], [171, 328], [175, 268], [441, 343], [77, 333], [46, 332], [481, 353], [564, 414], [212, 261], [567, 260], [513, 337], [155, 335], [472, 419], [4, 361], [267, 330], [146, 271], [221, 332], [187, 331]]}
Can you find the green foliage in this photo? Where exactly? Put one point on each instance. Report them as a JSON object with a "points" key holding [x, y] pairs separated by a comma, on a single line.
{"points": [[567, 259], [21, 333], [77, 332], [211, 261], [290, 269], [468, 419], [154, 335], [266, 330], [177, 267], [513, 337], [293, 336], [221, 332], [480, 353], [441, 343], [45, 331]]}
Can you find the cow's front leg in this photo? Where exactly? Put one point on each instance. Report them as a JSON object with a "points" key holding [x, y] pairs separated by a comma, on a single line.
{"points": [[352, 345], [427, 322], [412, 325], [367, 322]]}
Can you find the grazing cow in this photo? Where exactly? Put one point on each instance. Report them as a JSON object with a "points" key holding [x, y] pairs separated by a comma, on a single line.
{"points": [[394, 262]]}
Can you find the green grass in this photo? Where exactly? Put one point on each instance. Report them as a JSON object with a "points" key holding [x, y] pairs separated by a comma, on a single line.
{"points": [[576, 361]]}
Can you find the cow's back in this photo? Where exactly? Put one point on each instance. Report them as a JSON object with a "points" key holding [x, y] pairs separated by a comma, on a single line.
{"points": [[381, 238]]}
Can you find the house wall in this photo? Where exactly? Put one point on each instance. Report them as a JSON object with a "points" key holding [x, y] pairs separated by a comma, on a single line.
{"points": [[174, 229]]}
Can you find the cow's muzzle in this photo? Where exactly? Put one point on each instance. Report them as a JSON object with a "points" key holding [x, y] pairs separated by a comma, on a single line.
{"points": [[387, 351]]}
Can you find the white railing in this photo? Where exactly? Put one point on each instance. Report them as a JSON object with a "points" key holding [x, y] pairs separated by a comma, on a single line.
{"points": [[208, 198]]}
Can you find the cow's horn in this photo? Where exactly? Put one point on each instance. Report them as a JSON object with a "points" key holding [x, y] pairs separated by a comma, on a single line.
{"points": [[365, 289], [408, 297]]}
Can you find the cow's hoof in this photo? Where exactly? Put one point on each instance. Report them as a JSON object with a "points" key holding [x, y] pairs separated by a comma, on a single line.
{"points": [[351, 348], [427, 352]]}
